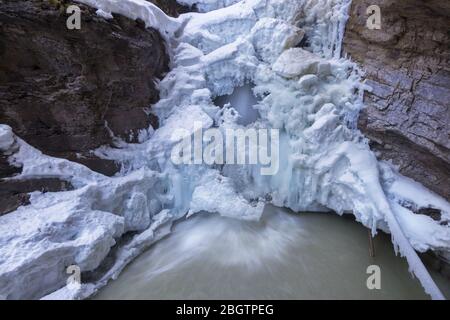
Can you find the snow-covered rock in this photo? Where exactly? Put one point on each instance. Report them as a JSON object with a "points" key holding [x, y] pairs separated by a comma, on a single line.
{"points": [[218, 195], [296, 62], [6, 138], [38, 244], [308, 81], [208, 5], [271, 36], [137, 9]]}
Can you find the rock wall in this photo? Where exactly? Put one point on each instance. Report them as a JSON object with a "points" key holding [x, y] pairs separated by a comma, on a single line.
{"points": [[407, 63], [70, 91], [67, 92], [171, 7]]}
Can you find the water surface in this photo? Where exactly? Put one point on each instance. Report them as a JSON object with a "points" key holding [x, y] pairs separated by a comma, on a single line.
{"points": [[284, 256]]}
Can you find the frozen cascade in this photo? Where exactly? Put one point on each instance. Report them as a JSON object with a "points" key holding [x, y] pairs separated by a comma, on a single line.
{"points": [[307, 93]]}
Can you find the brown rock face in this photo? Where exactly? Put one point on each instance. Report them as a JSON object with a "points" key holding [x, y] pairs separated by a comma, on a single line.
{"points": [[171, 7], [407, 63], [67, 91]]}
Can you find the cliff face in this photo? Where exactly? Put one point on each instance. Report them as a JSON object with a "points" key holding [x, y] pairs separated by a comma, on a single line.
{"points": [[70, 91], [407, 63], [67, 92]]}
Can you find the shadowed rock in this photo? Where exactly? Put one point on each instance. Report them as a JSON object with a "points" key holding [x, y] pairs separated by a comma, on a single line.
{"points": [[407, 114], [14, 193], [67, 92], [172, 7]]}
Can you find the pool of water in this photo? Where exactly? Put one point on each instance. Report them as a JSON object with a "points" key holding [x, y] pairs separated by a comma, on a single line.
{"points": [[283, 256]]}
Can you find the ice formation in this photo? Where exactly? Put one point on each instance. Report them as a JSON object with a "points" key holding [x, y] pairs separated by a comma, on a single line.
{"points": [[306, 91]]}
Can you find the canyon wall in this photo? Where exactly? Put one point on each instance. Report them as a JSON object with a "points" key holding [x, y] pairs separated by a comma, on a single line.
{"points": [[407, 113], [67, 92]]}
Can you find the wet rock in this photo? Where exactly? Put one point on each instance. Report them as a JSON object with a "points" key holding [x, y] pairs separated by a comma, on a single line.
{"points": [[172, 7], [66, 92], [407, 64], [14, 193], [433, 213]]}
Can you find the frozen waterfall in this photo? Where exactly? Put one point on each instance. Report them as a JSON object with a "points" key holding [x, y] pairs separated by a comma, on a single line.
{"points": [[310, 94]]}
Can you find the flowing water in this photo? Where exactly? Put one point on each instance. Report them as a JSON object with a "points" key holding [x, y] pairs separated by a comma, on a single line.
{"points": [[283, 256]]}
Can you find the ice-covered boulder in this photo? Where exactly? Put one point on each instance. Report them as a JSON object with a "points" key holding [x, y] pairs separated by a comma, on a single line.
{"points": [[295, 62], [37, 245], [218, 195], [308, 81], [6, 137]]}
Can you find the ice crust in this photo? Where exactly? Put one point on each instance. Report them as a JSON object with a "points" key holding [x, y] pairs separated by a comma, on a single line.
{"points": [[307, 93]]}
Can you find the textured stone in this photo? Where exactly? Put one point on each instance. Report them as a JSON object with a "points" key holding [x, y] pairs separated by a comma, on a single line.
{"points": [[69, 91], [407, 114]]}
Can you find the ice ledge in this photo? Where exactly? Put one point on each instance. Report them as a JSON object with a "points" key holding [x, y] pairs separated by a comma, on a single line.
{"points": [[137, 9]]}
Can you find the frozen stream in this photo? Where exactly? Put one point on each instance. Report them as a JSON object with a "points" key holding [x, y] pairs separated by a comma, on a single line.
{"points": [[284, 256]]}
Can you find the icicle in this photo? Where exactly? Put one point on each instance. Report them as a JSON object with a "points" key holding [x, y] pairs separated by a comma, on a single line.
{"points": [[402, 245]]}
